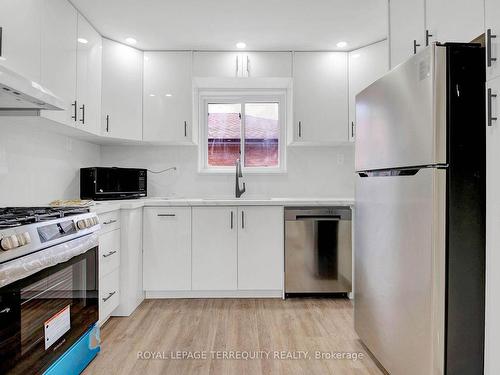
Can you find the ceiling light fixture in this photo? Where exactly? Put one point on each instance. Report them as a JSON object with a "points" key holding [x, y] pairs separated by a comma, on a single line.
{"points": [[241, 45], [82, 40], [131, 40], [169, 95], [342, 44], [152, 95]]}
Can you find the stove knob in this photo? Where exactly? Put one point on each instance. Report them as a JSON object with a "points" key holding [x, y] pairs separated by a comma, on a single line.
{"points": [[95, 220], [23, 238], [88, 222], [9, 242], [81, 224]]}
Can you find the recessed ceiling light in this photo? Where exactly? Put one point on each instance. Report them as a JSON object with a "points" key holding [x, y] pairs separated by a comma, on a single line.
{"points": [[241, 45], [131, 40], [152, 95], [342, 44], [169, 95], [82, 40]]}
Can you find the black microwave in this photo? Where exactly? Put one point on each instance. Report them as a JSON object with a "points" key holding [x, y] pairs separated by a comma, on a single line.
{"points": [[102, 183]]}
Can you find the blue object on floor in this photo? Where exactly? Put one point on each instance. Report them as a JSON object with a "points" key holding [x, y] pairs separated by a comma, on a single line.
{"points": [[79, 355]]}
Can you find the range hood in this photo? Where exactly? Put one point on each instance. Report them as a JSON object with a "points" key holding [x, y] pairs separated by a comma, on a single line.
{"points": [[21, 96]]}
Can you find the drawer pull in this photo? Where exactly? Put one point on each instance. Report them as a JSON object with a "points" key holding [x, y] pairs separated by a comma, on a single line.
{"points": [[108, 297], [109, 254], [166, 215], [109, 222]]}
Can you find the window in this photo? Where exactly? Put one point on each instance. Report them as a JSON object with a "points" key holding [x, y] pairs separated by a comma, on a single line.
{"points": [[248, 128]]}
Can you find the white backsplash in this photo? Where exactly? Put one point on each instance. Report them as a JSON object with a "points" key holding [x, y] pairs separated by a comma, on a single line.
{"points": [[312, 172], [38, 166]]}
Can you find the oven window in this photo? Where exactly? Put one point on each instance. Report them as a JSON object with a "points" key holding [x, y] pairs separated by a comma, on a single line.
{"points": [[64, 293]]}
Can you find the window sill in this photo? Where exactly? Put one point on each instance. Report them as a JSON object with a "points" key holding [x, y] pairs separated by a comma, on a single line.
{"points": [[245, 171]]}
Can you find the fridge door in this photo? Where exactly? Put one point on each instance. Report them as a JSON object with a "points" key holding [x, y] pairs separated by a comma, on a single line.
{"points": [[401, 118], [400, 269]]}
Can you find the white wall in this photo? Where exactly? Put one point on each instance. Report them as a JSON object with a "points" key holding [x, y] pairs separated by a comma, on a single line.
{"points": [[312, 172], [38, 166]]}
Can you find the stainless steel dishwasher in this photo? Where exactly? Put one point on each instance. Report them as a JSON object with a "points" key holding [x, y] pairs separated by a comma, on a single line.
{"points": [[318, 251]]}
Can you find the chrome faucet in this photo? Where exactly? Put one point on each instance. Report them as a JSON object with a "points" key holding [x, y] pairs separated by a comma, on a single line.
{"points": [[239, 192]]}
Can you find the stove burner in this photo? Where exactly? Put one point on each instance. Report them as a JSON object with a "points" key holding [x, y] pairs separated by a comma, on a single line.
{"points": [[11, 217]]}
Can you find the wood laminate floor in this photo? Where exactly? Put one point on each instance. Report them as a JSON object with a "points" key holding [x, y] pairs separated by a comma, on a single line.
{"points": [[231, 327]]}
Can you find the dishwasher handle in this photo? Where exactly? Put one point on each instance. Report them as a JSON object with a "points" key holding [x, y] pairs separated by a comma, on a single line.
{"points": [[318, 218]]}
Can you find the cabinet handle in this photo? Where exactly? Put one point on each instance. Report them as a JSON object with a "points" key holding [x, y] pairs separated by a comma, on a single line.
{"points": [[248, 67], [185, 129], [300, 129], [352, 129], [237, 67], [111, 221], [427, 37], [0, 41], [107, 123], [82, 120], [242, 219], [166, 215], [109, 254], [232, 220], [415, 45], [74, 111], [489, 36], [490, 116], [109, 296]]}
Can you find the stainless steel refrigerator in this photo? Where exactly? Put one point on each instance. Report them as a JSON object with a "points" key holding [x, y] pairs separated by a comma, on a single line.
{"points": [[420, 213]]}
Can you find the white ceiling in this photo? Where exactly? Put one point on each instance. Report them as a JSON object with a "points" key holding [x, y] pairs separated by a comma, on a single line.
{"points": [[219, 24]]}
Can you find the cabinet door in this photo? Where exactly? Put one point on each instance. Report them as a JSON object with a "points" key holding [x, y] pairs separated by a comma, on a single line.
{"points": [[21, 24], [454, 20], [168, 97], [88, 78], [218, 64], [268, 64], [407, 26], [320, 97], [121, 115], [492, 345], [58, 58], [215, 243], [366, 65], [167, 248], [260, 248], [492, 21]]}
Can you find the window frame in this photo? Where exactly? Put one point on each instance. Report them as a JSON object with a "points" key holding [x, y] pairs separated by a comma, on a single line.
{"points": [[242, 97]]}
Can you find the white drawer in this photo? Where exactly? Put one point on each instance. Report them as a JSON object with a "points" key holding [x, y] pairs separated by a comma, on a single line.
{"points": [[109, 294], [109, 221], [109, 252]]}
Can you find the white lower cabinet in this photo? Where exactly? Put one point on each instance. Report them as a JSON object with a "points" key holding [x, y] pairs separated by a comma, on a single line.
{"points": [[167, 248], [109, 264], [215, 241], [260, 248]]}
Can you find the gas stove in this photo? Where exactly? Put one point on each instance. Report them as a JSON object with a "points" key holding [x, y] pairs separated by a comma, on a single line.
{"points": [[24, 230]]}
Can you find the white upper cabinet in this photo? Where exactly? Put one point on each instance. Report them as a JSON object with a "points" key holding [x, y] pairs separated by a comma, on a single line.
{"points": [[260, 248], [242, 64], [454, 20], [366, 65], [122, 71], [492, 21], [268, 64], [320, 98], [167, 248], [407, 29], [215, 248], [88, 79], [20, 22], [58, 57], [168, 97]]}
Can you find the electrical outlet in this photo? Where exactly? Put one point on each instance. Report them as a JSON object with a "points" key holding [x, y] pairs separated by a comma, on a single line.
{"points": [[340, 158]]}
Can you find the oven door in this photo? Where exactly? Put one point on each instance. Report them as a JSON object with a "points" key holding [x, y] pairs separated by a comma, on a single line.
{"points": [[43, 314]]}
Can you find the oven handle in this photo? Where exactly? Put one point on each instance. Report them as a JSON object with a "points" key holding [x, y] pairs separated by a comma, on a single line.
{"points": [[317, 218], [28, 265]]}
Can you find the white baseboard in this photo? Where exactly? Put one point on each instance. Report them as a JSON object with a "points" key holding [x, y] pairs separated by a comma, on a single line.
{"points": [[215, 294]]}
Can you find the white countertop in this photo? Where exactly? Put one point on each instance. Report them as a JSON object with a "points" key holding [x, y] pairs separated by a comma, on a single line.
{"points": [[107, 206]]}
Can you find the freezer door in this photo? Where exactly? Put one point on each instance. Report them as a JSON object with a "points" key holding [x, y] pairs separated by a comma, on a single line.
{"points": [[400, 270], [401, 118]]}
